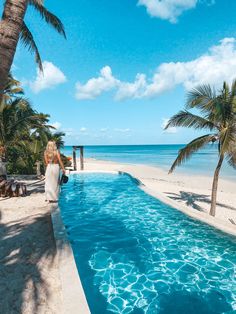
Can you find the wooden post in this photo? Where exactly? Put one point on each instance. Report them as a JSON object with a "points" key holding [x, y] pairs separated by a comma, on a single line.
{"points": [[81, 158], [38, 170], [81, 155], [74, 158]]}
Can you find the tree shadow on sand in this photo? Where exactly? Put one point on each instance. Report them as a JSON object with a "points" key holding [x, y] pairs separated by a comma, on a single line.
{"points": [[36, 187], [190, 199], [27, 253]]}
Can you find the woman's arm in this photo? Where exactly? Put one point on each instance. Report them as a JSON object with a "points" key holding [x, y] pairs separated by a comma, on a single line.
{"points": [[60, 162], [45, 159]]}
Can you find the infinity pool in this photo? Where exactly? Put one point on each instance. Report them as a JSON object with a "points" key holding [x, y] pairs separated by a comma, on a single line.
{"points": [[137, 255]]}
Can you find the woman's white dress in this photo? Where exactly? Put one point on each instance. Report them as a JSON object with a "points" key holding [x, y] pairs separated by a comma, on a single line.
{"points": [[52, 186]]}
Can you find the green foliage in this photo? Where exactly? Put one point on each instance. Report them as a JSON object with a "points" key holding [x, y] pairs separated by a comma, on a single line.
{"points": [[26, 36], [27, 39], [66, 161], [24, 132], [217, 114]]}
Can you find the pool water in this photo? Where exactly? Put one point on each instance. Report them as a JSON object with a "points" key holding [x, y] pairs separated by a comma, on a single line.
{"points": [[138, 255]]}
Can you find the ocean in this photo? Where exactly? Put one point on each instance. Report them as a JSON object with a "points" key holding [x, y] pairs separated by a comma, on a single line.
{"points": [[162, 156]]}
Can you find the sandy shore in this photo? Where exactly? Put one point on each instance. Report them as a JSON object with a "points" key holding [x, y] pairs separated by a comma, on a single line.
{"points": [[29, 279], [191, 193]]}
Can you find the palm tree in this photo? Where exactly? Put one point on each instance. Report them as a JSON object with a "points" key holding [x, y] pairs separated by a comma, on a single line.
{"points": [[37, 142], [12, 89], [218, 115], [18, 122], [57, 137], [13, 28], [24, 132]]}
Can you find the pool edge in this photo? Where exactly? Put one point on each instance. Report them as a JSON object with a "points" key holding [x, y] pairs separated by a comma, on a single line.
{"points": [[73, 295], [200, 216]]}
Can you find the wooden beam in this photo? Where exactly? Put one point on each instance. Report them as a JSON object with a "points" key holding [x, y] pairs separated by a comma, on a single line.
{"points": [[81, 149], [81, 158], [74, 159]]}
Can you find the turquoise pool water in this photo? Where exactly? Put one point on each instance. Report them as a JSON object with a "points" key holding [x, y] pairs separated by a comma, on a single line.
{"points": [[137, 255]]}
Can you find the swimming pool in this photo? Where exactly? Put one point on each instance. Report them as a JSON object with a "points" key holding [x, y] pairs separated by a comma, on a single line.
{"points": [[138, 255]]}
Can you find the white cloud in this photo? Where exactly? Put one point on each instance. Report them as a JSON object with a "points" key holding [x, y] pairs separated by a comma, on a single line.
{"points": [[167, 9], [83, 129], [132, 90], [56, 125], [170, 129], [170, 9], [104, 130], [95, 86], [213, 67], [122, 130], [49, 78], [68, 131]]}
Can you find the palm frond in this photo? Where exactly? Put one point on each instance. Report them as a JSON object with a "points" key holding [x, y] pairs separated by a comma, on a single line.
{"points": [[233, 87], [13, 88], [24, 132], [49, 17], [39, 2], [231, 158], [28, 40], [225, 103], [188, 120], [186, 152], [201, 97], [233, 96], [227, 139]]}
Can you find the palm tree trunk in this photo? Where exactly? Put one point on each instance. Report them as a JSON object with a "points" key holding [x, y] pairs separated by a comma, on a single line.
{"points": [[3, 163], [10, 28], [3, 169], [215, 186]]}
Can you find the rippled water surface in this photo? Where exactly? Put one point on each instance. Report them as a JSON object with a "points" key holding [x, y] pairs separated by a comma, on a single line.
{"points": [[137, 255]]}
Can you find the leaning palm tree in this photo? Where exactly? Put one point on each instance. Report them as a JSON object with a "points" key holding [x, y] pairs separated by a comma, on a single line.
{"points": [[218, 115], [13, 28]]}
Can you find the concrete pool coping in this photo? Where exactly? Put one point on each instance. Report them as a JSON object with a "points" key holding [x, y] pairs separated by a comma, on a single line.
{"points": [[200, 216], [73, 296]]}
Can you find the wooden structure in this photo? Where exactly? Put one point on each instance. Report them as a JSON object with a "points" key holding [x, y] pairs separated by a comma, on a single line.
{"points": [[38, 170], [81, 148]]}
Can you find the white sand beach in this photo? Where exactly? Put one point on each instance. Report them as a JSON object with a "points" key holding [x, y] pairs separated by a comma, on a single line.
{"points": [[29, 277], [29, 268]]}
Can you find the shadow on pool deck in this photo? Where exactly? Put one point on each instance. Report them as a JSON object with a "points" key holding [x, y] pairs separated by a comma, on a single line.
{"points": [[190, 199], [36, 187], [27, 256]]}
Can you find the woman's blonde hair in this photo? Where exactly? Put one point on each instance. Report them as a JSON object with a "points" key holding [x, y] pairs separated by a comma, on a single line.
{"points": [[51, 150]]}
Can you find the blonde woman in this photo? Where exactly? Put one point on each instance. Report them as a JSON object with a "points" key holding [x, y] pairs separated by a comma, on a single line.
{"points": [[53, 162]]}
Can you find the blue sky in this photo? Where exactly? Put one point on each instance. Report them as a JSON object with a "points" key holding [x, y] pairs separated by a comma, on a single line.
{"points": [[126, 65]]}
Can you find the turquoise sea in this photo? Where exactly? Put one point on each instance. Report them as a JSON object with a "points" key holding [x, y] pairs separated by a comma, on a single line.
{"points": [[202, 162]]}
